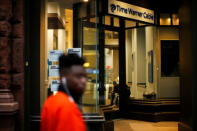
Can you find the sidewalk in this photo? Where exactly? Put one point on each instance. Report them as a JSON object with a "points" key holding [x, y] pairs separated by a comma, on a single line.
{"points": [[134, 125]]}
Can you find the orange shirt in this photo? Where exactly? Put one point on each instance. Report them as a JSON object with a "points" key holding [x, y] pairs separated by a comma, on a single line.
{"points": [[61, 114]]}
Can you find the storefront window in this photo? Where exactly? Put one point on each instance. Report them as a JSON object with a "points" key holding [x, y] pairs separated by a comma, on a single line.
{"points": [[139, 61], [169, 19], [111, 21], [67, 27], [116, 21], [107, 20], [165, 19], [175, 19], [75, 24], [169, 58], [90, 53]]}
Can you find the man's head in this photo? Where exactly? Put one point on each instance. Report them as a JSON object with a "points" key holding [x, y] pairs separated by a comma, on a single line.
{"points": [[114, 83], [71, 67]]}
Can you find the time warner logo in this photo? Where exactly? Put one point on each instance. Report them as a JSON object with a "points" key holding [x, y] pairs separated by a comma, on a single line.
{"points": [[113, 7]]}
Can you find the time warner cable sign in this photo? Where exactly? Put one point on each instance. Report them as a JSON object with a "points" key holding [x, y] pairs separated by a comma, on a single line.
{"points": [[130, 11]]}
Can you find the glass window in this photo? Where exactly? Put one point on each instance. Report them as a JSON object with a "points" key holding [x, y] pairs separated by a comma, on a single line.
{"points": [[111, 67], [59, 37], [107, 20], [116, 21], [139, 61], [165, 19], [175, 19], [169, 58], [90, 53]]}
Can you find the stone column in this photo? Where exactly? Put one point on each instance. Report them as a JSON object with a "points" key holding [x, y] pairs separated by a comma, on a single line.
{"points": [[8, 107], [17, 59]]}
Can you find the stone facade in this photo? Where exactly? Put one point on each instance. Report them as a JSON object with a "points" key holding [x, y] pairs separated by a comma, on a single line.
{"points": [[12, 65]]}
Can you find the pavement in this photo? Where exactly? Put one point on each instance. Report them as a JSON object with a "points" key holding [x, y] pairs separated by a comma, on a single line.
{"points": [[135, 125]]}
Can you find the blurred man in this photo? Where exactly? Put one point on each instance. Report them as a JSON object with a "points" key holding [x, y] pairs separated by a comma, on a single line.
{"points": [[115, 93], [60, 111]]}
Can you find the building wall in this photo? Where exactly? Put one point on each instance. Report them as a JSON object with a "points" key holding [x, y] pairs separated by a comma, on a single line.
{"points": [[44, 84], [168, 86], [11, 64], [187, 66]]}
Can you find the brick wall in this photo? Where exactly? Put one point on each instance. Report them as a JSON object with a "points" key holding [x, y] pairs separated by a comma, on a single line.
{"points": [[12, 54]]}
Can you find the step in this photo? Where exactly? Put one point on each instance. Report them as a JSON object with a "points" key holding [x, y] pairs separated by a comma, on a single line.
{"points": [[153, 117]]}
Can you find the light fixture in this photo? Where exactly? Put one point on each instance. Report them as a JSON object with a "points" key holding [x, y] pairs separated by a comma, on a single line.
{"points": [[85, 0], [86, 64], [169, 19]]}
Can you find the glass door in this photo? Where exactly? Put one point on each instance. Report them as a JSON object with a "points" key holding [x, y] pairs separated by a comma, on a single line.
{"points": [[90, 54], [111, 67]]}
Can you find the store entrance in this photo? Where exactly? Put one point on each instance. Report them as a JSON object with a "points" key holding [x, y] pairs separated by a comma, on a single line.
{"points": [[100, 49], [101, 46], [111, 67]]}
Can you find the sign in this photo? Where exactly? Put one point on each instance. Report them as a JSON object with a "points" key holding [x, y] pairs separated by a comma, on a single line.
{"points": [[74, 51], [130, 11], [55, 54], [54, 85], [53, 70]]}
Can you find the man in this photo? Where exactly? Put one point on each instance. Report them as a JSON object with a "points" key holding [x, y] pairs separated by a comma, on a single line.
{"points": [[60, 111], [115, 93]]}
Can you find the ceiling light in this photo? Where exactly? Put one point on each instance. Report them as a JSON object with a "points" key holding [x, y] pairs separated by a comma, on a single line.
{"points": [[85, 0]]}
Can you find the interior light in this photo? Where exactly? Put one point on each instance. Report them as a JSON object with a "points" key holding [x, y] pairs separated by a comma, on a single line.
{"points": [[86, 64], [169, 19], [108, 67], [85, 0]]}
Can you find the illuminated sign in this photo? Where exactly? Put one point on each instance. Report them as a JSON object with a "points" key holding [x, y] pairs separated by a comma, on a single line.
{"points": [[130, 11]]}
